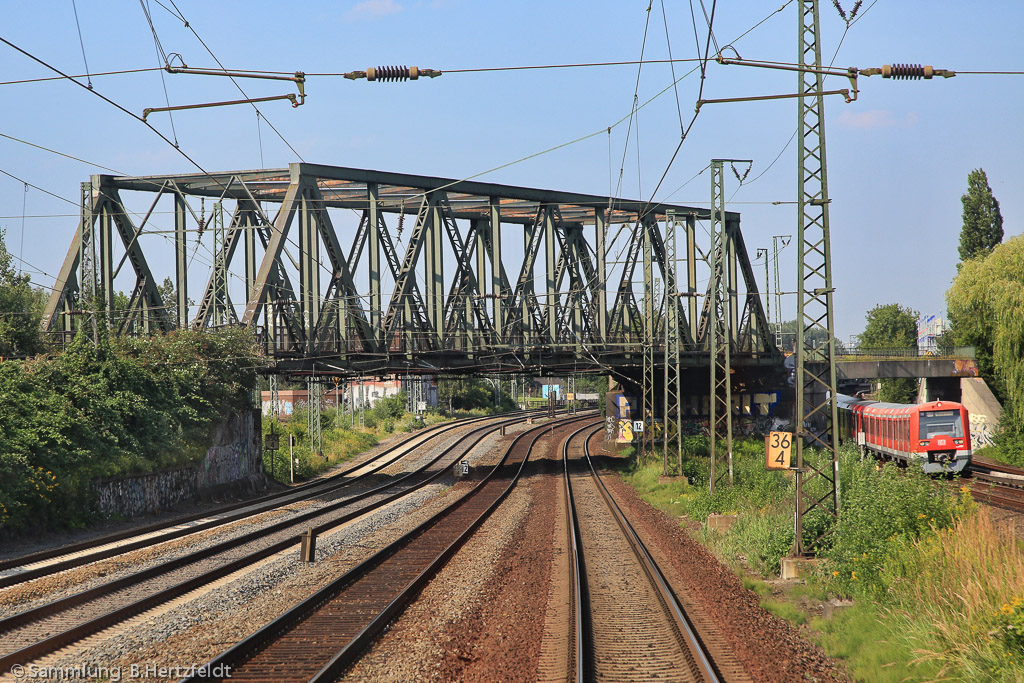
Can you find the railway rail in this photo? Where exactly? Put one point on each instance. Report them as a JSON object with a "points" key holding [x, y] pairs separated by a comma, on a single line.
{"points": [[629, 624], [35, 632], [322, 636], [46, 562], [997, 484]]}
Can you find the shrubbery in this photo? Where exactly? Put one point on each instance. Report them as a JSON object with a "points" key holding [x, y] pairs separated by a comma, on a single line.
{"points": [[938, 586], [120, 406], [342, 437], [883, 509]]}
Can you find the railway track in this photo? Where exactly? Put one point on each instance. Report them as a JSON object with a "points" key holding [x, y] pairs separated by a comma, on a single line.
{"points": [[997, 484], [36, 632], [322, 636], [628, 624], [44, 563]]}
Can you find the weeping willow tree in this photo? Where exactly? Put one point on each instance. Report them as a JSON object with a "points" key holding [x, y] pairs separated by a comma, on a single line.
{"points": [[986, 309]]}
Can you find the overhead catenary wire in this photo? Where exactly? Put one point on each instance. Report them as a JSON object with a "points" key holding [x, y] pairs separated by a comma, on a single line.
{"points": [[162, 56], [700, 93], [120, 173], [81, 42], [632, 112], [208, 262], [107, 100], [668, 41], [28, 184], [24, 199], [636, 92], [179, 15], [853, 19]]}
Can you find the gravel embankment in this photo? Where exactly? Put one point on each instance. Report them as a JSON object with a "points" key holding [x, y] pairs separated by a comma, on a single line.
{"points": [[39, 541], [482, 618], [197, 628], [46, 589], [766, 647]]}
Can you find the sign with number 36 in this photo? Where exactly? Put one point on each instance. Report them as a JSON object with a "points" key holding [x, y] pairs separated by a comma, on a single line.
{"points": [[777, 448]]}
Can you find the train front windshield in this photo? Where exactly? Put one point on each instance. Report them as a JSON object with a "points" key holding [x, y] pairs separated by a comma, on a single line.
{"points": [[940, 422]]}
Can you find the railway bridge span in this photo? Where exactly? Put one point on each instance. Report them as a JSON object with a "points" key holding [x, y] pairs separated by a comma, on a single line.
{"points": [[354, 272]]}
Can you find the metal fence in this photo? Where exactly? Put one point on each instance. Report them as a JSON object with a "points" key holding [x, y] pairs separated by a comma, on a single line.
{"points": [[957, 352]]}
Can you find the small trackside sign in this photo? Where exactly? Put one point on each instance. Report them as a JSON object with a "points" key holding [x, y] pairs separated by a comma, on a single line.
{"points": [[778, 447]]}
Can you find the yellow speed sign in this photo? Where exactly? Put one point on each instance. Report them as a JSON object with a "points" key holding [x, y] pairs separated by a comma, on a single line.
{"points": [[777, 449]]}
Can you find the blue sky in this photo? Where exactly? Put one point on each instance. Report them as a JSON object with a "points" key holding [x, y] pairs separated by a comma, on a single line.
{"points": [[898, 157]]}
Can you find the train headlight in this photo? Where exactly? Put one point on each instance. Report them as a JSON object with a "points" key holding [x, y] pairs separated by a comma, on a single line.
{"points": [[922, 443], [958, 442]]}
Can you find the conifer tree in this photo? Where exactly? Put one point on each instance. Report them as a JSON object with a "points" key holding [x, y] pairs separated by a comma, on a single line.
{"points": [[983, 224]]}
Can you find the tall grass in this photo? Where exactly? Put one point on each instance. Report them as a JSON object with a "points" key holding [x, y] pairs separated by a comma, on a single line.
{"points": [[938, 585], [960, 598]]}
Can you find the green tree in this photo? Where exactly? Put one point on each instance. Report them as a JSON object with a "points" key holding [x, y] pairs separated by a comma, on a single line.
{"points": [[892, 326], [21, 309], [986, 309], [983, 223], [464, 393], [170, 298], [392, 407], [815, 337]]}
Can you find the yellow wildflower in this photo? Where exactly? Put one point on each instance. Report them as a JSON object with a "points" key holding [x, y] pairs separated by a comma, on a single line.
{"points": [[853, 575]]}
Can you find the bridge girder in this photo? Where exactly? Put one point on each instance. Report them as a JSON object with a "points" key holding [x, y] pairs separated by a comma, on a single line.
{"points": [[356, 313]]}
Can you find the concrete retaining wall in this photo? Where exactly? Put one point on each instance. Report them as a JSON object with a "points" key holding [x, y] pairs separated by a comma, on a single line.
{"points": [[145, 493], [983, 409], [234, 460]]}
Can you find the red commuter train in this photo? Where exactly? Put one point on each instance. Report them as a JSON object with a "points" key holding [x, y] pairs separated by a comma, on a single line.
{"points": [[935, 436]]}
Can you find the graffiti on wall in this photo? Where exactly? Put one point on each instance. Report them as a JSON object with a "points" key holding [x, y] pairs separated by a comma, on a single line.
{"points": [[966, 367], [145, 493], [982, 431], [235, 456]]}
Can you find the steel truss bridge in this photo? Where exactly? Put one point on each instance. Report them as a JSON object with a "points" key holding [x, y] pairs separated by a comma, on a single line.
{"points": [[357, 272]]}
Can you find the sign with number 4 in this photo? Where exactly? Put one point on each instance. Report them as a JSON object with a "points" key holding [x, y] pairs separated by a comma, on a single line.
{"points": [[777, 449]]}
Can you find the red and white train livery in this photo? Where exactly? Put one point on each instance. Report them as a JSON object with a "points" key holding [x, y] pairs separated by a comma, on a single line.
{"points": [[935, 436]]}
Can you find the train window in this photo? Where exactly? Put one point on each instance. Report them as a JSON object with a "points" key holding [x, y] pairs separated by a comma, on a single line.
{"points": [[936, 422]]}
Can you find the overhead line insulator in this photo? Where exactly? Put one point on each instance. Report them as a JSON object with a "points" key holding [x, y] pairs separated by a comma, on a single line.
{"points": [[909, 72], [392, 73]]}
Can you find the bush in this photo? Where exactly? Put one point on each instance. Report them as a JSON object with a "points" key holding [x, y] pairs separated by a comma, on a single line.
{"points": [[882, 508], [391, 408], [121, 406]]}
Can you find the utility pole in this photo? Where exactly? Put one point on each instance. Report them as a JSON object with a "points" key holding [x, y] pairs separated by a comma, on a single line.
{"points": [[720, 328], [275, 398], [816, 412], [778, 293], [767, 285], [649, 332], [314, 405], [673, 386]]}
